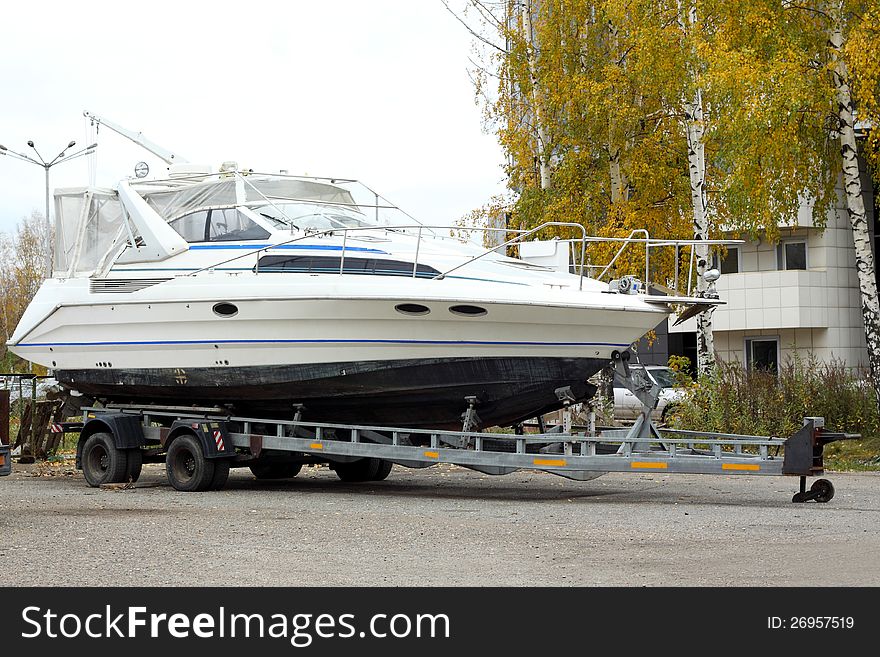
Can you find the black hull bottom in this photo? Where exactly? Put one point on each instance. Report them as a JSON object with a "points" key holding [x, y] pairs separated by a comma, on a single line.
{"points": [[412, 393]]}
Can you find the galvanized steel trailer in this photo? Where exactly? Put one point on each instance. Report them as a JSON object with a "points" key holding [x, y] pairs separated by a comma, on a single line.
{"points": [[200, 445]]}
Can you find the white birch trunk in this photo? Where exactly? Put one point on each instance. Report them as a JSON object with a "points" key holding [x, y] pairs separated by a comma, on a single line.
{"points": [[542, 154], [855, 204], [694, 130], [619, 180], [619, 184]]}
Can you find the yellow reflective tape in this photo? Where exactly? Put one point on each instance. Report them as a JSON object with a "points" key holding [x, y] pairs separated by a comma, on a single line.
{"points": [[432, 455], [316, 446], [549, 462], [754, 467], [642, 465]]}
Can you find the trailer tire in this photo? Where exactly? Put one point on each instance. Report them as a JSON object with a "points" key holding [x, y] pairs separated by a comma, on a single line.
{"points": [[357, 471], [102, 463], [135, 464], [276, 470], [221, 474], [383, 471], [186, 466]]}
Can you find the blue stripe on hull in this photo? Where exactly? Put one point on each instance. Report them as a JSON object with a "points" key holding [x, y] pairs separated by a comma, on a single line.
{"points": [[378, 341]]}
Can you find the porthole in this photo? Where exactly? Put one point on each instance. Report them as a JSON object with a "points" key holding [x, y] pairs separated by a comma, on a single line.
{"points": [[412, 309], [468, 311], [225, 309]]}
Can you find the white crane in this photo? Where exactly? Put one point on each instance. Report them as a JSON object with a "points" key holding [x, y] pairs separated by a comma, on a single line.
{"points": [[138, 138]]}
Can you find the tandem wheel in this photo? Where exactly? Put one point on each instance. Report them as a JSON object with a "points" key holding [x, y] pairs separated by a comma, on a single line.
{"points": [[188, 470], [822, 491]]}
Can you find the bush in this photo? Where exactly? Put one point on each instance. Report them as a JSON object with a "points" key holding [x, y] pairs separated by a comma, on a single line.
{"points": [[755, 402]]}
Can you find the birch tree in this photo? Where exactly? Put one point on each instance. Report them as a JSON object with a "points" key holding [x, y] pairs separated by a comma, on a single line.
{"points": [[524, 15], [694, 127], [865, 265]]}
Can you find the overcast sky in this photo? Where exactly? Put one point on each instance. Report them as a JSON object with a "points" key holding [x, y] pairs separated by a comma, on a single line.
{"points": [[376, 90]]}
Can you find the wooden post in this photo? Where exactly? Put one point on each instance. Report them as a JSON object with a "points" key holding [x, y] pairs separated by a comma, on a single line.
{"points": [[52, 415], [24, 435]]}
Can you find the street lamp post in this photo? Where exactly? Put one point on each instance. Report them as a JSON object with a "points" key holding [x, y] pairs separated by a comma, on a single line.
{"points": [[58, 159]]}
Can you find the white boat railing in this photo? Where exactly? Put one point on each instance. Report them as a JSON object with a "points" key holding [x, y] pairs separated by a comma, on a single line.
{"points": [[655, 243], [580, 267]]}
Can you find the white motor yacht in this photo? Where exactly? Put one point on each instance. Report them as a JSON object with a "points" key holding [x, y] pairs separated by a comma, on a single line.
{"points": [[270, 293]]}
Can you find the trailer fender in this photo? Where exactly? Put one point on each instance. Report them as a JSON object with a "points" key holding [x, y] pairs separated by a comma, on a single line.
{"points": [[126, 430], [213, 436]]}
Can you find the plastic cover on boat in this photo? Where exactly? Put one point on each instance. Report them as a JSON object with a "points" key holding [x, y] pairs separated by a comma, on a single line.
{"points": [[175, 203], [88, 221]]}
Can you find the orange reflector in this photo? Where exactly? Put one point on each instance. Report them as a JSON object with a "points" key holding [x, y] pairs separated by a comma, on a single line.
{"points": [[2, 460], [316, 446], [432, 455], [645, 465], [549, 461], [753, 467]]}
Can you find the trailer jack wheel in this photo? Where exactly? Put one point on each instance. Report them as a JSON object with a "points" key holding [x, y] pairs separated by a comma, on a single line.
{"points": [[822, 491]]}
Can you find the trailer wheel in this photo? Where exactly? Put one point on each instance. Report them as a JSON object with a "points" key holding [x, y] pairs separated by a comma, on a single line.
{"points": [[823, 489], [221, 474], [383, 471], [135, 464], [276, 470], [102, 463], [356, 471], [186, 466]]}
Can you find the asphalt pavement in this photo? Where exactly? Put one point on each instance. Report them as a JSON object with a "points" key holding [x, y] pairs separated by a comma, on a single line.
{"points": [[440, 526]]}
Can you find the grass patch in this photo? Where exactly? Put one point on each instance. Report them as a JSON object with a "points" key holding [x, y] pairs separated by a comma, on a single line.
{"points": [[755, 402]]}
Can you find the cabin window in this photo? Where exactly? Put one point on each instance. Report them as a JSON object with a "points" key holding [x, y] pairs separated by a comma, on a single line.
{"points": [[468, 311], [223, 225], [412, 309], [310, 264]]}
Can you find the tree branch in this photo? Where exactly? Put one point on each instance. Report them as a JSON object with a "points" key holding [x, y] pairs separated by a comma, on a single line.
{"points": [[788, 4], [473, 32]]}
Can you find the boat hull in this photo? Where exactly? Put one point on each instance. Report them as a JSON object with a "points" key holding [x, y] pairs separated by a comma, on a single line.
{"points": [[409, 393]]}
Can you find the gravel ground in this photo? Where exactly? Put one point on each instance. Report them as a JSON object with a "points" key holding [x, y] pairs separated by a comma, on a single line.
{"points": [[441, 526]]}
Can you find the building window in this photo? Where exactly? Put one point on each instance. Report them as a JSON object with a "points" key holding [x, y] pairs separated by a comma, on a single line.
{"points": [[729, 264], [763, 354], [792, 254]]}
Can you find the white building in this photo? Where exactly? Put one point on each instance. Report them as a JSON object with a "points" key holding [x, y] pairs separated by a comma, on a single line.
{"points": [[799, 296]]}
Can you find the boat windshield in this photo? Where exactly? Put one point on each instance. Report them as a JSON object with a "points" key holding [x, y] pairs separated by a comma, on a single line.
{"points": [[175, 199], [310, 215]]}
